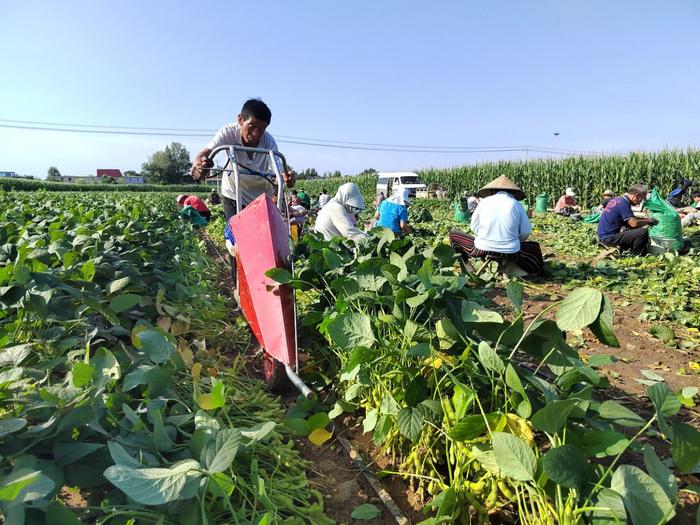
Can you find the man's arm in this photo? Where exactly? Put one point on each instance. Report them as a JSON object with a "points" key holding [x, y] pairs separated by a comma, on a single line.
{"points": [[346, 228], [634, 222]]}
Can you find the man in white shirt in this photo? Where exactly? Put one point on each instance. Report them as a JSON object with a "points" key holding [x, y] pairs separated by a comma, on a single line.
{"points": [[336, 218], [323, 198], [249, 131], [501, 227]]}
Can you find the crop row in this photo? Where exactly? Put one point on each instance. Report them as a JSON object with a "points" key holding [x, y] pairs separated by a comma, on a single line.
{"points": [[485, 413], [111, 393], [17, 184], [589, 176]]}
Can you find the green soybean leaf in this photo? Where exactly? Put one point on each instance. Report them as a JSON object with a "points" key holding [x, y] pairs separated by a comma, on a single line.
{"points": [[644, 499], [602, 327], [660, 473], [601, 360], [11, 487], [602, 443], [417, 300], [120, 456], [154, 486], [366, 511], [419, 350], [475, 313], [82, 374], [318, 420], [552, 417], [118, 284], [514, 290], [490, 359], [214, 399], [258, 432], [514, 457], [665, 402], [351, 330], [219, 452], [620, 415], [124, 302], [609, 509], [14, 355], [473, 426], [685, 447], [106, 367], [88, 270], [410, 423], [12, 424], [567, 466], [579, 309], [25, 485], [67, 453], [279, 275], [417, 391], [370, 421], [58, 514], [155, 345]]}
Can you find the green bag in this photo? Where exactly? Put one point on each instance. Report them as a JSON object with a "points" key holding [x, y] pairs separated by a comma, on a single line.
{"points": [[669, 227], [593, 218], [189, 213]]}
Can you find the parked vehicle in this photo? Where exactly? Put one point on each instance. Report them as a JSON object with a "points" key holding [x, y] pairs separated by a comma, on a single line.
{"points": [[390, 182]]}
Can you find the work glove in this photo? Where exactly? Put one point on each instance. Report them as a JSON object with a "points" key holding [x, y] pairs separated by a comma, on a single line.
{"points": [[653, 221]]}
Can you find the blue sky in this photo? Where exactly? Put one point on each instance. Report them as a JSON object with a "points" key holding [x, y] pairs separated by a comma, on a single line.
{"points": [[608, 76]]}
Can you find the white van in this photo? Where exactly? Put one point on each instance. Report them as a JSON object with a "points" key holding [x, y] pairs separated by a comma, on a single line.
{"points": [[390, 182]]}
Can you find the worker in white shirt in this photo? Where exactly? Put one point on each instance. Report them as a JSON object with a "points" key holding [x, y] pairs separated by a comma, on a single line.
{"points": [[501, 227], [337, 217]]}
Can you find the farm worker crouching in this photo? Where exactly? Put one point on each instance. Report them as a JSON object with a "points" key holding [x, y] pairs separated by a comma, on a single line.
{"points": [[197, 203], [501, 227], [619, 227], [337, 218], [393, 213], [691, 214], [566, 205], [323, 198], [250, 131], [608, 195]]}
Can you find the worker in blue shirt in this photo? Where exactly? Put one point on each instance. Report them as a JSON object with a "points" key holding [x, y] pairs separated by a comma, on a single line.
{"points": [[619, 227], [393, 213]]}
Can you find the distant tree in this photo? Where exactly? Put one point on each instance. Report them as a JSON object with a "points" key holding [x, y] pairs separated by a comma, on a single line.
{"points": [[368, 171], [53, 174], [105, 179], [168, 166], [308, 173], [130, 173]]}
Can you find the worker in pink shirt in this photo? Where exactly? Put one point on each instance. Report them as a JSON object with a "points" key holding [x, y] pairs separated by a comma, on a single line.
{"points": [[197, 203]]}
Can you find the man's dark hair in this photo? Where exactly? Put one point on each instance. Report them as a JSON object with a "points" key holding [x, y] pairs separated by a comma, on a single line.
{"points": [[256, 108], [323, 190], [696, 193], [637, 189]]}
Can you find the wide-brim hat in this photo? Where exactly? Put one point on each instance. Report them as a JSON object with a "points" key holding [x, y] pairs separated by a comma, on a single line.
{"points": [[502, 183], [608, 193], [180, 197]]}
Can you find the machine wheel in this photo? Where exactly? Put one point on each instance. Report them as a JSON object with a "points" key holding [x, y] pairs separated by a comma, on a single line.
{"points": [[275, 374]]}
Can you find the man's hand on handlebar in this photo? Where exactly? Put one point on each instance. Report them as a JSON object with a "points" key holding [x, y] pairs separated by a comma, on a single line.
{"points": [[201, 161]]}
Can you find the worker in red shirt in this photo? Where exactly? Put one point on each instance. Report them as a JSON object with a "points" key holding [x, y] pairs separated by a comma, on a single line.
{"points": [[196, 203]]}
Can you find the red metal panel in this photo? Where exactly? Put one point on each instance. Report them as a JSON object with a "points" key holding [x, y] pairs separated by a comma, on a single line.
{"points": [[262, 239]]}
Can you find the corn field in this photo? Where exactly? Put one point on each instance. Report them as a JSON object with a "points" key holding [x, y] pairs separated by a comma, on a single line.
{"points": [[588, 176]]}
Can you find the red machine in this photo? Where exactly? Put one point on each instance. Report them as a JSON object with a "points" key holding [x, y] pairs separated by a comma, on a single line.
{"points": [[261, 233]]}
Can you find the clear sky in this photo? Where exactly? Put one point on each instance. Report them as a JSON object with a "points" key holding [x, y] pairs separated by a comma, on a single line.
{"points": [[606, 75]]}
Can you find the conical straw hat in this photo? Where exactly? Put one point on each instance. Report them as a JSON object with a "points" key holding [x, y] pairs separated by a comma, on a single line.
{"points": [[502, 183]]}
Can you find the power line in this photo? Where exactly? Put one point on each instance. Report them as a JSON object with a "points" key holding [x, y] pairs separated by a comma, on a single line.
{"points": [[324, 143]]}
